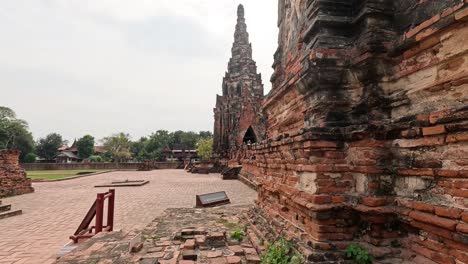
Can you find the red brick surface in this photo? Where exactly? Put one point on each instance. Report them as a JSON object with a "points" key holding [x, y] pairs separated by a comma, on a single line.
{"points": [[54, 211]]}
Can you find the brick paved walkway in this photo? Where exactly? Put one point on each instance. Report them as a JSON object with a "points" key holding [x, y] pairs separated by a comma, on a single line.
{"points": [[55, 210]]}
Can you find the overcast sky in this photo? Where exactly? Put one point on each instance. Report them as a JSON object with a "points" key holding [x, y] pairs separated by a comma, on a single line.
{"points": [[98, 67]]}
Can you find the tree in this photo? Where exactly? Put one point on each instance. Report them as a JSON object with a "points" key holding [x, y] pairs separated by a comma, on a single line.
{"points": [[14, 133], [153, 147], [47, 147], [95, 158], [85, 146], [30, 158], [158, 141], [118, 147], [190, 139], [205, 148], [156, 144], [138, 149], [205, 134]]}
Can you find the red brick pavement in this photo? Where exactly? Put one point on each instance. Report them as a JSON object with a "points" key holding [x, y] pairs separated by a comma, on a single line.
{"points": [[55, 210]]}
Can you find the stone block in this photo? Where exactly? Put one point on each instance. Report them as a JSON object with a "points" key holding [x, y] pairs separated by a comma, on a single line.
{"points": [[189, 255]]}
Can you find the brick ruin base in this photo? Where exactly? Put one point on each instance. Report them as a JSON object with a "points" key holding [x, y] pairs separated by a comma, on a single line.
{"points": [[13, 180], [366, 131]]}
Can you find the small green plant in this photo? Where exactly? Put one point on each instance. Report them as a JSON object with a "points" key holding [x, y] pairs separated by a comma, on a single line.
{"points": [[359, 254], [280, 253], [238, 235], [260, 241]]}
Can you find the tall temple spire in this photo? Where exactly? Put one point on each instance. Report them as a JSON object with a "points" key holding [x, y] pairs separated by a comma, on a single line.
{"points": [[241, 48], [237, 115], [240, 11], [241, 37]]}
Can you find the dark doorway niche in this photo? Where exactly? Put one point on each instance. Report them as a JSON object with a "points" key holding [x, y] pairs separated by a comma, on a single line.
{"points": [[249, 136]]}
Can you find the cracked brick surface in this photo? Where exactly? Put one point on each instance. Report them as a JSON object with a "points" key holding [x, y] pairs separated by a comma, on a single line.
{"points": [[183, 236]]}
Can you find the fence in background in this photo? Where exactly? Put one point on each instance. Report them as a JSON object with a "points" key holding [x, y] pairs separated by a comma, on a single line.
{"points": [[97, 166]]}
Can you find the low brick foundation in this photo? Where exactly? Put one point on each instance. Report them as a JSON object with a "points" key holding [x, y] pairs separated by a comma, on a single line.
{"points": [[13, 179]]}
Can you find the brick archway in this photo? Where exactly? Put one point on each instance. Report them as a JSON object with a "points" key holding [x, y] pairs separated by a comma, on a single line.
{"points": [[250, 136]]}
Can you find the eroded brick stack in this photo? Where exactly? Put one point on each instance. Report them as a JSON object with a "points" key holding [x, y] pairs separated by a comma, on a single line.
{"points": [[13, 179], [367, 131]]}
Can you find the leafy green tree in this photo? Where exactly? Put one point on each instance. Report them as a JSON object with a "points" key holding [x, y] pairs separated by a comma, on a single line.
{"points": [[156, 144], [205, 148], [6, 113], [30, 158], [158, 155], [190, 139], [138, 149], [153, 147], [95, 158], [85, 146], [158, 140], [118, 147], [176, 138], [47, 147], [205, 134], [14, 133]]}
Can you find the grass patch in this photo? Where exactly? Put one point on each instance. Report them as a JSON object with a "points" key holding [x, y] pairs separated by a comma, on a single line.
{"points": [[58, 174], [238, 235]]}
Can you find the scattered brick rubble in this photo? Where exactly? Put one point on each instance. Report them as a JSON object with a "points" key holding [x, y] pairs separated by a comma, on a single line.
{"points": [[179, 236]]}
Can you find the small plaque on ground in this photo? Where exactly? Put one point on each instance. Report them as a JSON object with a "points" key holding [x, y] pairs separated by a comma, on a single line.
{"points": [[212, 199], [126, 183]]}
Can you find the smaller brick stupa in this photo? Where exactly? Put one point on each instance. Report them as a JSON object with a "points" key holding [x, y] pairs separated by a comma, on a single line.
{"points": [[13, 180]]}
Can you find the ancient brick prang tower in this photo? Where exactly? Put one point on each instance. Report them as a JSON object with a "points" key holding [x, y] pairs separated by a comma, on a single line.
{"points": [[367, 127], [237, 114], [13, 180]]}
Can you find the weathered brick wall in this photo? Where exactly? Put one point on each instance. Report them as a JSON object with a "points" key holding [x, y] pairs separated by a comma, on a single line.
{"points": [[367, 130], [13, 179]]}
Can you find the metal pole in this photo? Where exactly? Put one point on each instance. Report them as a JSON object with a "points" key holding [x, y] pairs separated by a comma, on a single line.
{"points": [[99, 212], [110, 212]]}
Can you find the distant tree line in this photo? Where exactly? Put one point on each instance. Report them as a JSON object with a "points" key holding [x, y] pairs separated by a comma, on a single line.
{"points": [[153, 146], [14, 134]]}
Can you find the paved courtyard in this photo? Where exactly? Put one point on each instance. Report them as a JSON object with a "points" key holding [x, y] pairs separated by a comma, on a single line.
{"points": [[55, 210]]}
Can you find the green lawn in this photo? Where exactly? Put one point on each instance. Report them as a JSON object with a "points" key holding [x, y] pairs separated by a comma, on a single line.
{"points": [[57, 174]]}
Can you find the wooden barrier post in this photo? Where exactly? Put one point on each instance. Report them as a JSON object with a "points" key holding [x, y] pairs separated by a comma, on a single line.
{"points": [[99, 212], [110, 210]]}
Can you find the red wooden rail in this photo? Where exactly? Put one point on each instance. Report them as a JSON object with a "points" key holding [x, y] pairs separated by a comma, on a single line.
{"points": [[97, 209]]}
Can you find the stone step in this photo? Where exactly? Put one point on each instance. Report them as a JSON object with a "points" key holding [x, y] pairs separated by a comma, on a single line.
{"points": [[10, 213], [4, 208]]}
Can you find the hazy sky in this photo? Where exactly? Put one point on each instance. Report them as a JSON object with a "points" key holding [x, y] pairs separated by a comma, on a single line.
{"points": [[99, 67]]}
